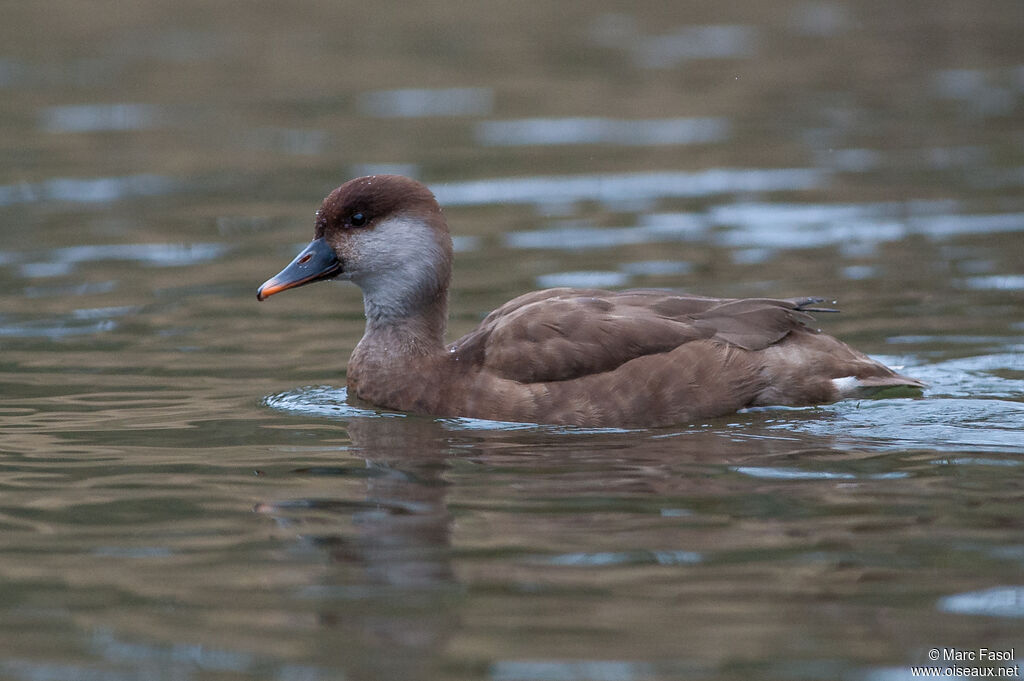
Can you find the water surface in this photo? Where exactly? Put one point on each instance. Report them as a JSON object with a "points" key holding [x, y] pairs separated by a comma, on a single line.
{"points": [[186, 493]]}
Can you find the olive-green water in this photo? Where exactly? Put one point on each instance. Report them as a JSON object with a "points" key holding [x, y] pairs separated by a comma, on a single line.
{"points": [[185, 494]]}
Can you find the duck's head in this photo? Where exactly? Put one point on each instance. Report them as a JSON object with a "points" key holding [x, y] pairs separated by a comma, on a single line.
{"points": [[385, 233]]}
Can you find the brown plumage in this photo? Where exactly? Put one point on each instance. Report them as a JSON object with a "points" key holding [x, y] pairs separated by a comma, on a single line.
{"points": [[563, 356]]}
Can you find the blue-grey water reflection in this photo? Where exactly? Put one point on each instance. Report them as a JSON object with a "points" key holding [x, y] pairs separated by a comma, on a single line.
{"points": [[187, 494]]}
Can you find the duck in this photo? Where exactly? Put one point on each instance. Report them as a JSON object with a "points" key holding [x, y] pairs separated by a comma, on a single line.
{"points": [[639, 358]]}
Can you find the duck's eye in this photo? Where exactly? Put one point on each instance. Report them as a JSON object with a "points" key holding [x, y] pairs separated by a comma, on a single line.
{"points": [[357, 220]]}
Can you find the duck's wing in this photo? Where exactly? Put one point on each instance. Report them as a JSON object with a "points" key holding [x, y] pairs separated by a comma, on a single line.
{"points": [[562, 334], [756, 323]]}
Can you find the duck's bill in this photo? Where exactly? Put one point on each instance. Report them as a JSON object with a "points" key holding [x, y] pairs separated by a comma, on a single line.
{"points": [[316, 262]]}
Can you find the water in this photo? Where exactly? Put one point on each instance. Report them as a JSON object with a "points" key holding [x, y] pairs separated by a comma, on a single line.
{"points": [[185, 493]]}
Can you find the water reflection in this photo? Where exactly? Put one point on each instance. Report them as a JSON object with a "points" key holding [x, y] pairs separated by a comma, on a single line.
{"points": [[769, 147], [157, 255], [977, 91], [80, 190], [812, 226], [421, 102], [559, 131], [77, 322], [687, 43], [584, 279], [1005, 282], [610, 558], [62, 262], [755, 230], [626, 187], [88, 289], [286, 140], [779, 473], [694, 42], [581, 238], [408, 169], [694, 507], [820, 19], [657, 268], [1000, 601], [99, 118], [54, 329], [576, 670], [388, 604]]}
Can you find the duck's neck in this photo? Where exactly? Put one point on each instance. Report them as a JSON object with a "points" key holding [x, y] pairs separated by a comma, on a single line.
{"points": [[412, 333], [399, 363], [406, 297]]}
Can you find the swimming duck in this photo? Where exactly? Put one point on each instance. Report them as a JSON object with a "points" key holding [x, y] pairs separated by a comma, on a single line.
{"points": [[588, 357]]}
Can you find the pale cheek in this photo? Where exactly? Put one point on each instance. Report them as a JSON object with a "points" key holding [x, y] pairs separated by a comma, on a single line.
{"points": [[352, 260], [363, 259], [397, 258]]}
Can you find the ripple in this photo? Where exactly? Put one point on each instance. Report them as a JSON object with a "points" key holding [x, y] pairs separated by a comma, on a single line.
{"points": [[775, 473], [465, 243], [975, 461], [572, 670], [820, 19], [123, 659], [569, 131], [753, 256], [132, 551], [756, 214], [815, 225], [850, 160], [859, 272], [62, 261], [92, 190], [999, 601], [584, 279], [981, 93], [408, 169], [105, 312], [577, 238], [159, 255], [694, 42], [322, 400], [614, 558], [466, 423], [423, 102], [657, 268], [331, 402], [939, 424], [968, 377], [99, 117], [677, 225], [917, 339], [86, 289], [82, 320], [973, 404], [286, 140], [43, 270], [176, 656], [942, 226], [997, 282], [627, 187], [55, 329], [656, 228]]}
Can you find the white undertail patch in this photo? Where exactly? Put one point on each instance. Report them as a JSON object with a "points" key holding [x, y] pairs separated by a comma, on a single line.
{"points": [[848, 386]]}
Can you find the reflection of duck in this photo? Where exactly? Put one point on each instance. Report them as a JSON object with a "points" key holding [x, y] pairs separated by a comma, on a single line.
{"points": [[567, 356], [381, 518]]}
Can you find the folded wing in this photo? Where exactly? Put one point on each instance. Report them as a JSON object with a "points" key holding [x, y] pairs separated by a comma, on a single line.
{"points": [[563, 334]]}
